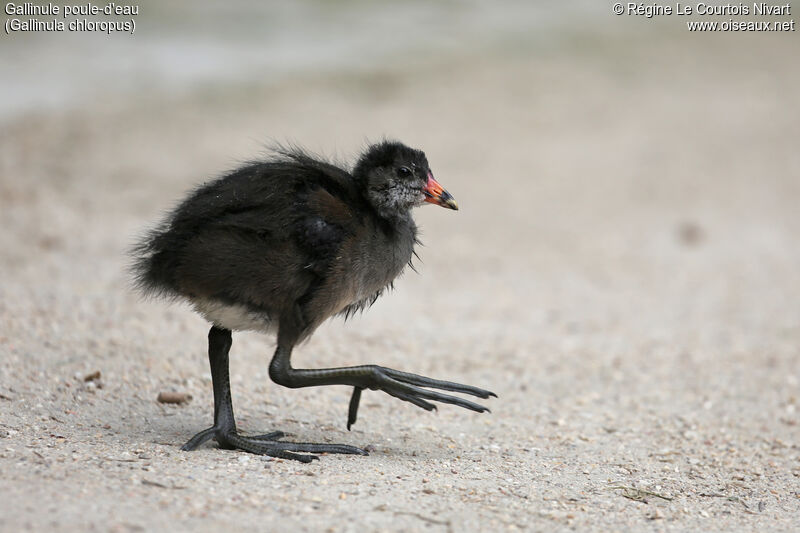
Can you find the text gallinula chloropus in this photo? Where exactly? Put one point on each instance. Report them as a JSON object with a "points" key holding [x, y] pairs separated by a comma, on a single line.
{"points": [[281, 246]]}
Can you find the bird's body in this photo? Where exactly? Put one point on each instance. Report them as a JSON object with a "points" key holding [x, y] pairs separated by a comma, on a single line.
{"points": [[244, 248], [281, 246]]}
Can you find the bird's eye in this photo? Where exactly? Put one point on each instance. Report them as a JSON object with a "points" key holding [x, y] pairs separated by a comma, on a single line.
{"points": [[404, 172]]}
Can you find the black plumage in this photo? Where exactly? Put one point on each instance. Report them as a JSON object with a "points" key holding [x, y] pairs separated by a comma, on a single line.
{"points": [[280, 246]]}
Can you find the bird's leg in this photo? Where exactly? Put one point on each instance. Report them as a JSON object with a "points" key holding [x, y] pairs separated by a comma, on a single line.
{"points": [[219, 345], [224, 428], [403, 385]]}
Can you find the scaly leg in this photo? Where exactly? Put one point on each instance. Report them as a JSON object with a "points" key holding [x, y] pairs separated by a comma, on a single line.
{"points": [[403, 385]]}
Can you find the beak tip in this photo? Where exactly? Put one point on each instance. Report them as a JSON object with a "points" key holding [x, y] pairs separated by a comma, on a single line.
{"points": [[446, 200]]}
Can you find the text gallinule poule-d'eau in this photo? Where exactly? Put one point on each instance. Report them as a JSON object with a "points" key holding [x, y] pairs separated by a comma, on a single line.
{"points": [[281, 246]]}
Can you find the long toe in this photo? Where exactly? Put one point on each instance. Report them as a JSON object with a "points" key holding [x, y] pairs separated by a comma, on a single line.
{"points": [[410, 388], [202, 437], [422, 381], [417, 395], [411, 399], [275, 435], [282, 449], [308, 447]]}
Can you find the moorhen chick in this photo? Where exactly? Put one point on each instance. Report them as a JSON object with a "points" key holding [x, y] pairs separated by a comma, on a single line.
{"points": [[281, 246]]}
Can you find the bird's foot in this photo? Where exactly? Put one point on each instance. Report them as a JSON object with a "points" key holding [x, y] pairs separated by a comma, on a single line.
{"points": [[409, 387], [268, 444]]}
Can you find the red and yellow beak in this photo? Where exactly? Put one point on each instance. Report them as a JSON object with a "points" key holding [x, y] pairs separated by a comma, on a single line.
{"points": [[436, 194]]}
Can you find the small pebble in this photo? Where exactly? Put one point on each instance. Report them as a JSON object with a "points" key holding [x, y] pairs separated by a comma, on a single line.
{"points": [[174, 397], [94, 376]]}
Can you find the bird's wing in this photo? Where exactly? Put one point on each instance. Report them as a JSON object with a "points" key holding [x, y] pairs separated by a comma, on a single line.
{"points": [[324, 225]]}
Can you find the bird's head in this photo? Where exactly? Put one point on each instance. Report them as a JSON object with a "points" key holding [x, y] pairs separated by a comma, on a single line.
{"points": [[396, 178]]}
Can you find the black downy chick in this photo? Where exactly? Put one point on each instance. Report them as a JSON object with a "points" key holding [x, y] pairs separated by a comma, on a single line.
{"points": [[282, 245]]}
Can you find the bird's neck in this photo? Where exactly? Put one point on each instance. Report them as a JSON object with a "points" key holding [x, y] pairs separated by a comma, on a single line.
{"points": [[397, 220]]}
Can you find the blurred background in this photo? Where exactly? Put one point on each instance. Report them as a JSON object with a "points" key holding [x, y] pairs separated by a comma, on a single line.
{"points": [[624, 270], [180, 46]]}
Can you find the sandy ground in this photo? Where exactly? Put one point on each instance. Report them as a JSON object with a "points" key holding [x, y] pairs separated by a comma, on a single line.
{"points": [[624, 272]]}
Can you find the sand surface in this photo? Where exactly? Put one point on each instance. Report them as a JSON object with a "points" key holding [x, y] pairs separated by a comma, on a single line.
{"points": [[624, 272]]}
